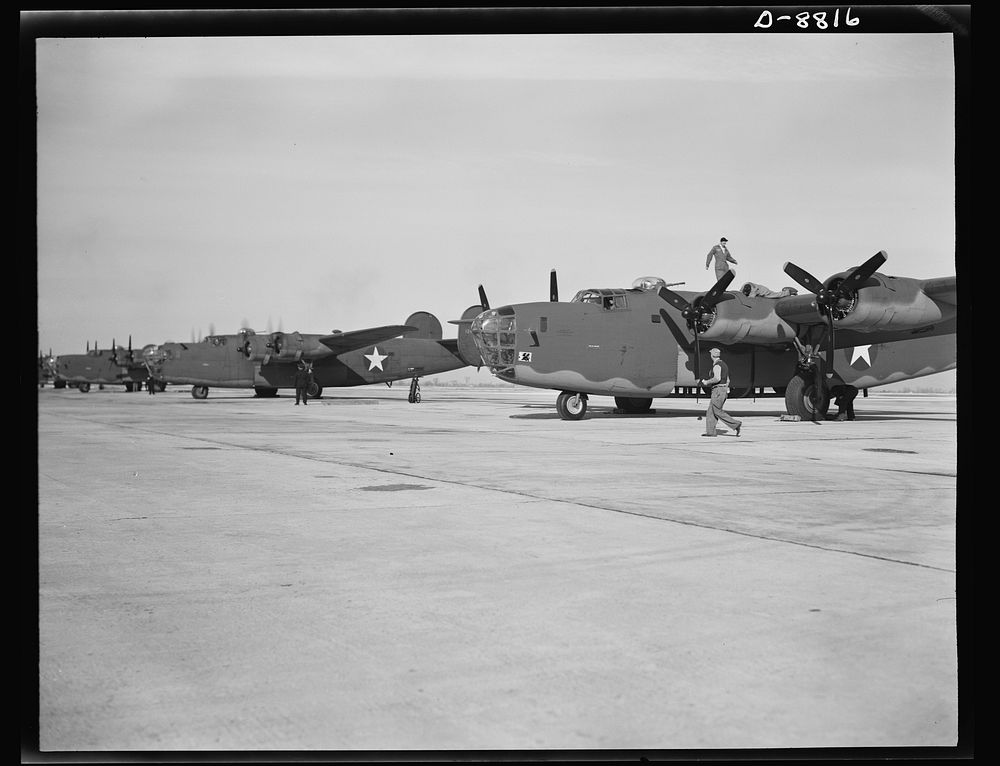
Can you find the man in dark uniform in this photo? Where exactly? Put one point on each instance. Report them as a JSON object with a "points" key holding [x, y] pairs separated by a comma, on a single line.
{"points": [[844, 397], [303, 377], [150, 385], [718, 384]]}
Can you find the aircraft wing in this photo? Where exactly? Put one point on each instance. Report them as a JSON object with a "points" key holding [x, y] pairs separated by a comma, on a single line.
{"points": [[340, 342], [944, 289]]}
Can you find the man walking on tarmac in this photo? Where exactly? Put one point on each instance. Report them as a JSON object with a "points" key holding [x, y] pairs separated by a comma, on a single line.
{"points": [[718, 384], [303, 377]]}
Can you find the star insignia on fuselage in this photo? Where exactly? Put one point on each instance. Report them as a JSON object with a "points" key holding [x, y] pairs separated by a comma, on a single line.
{"points": [[375, 359], [861, 352]]}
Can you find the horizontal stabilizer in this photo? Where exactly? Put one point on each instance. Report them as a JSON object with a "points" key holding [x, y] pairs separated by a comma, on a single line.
{"points": [[348, 341]]}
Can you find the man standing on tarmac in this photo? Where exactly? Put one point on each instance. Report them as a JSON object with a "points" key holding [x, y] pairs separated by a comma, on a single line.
{"points": [[718, 384], [303, 377]]}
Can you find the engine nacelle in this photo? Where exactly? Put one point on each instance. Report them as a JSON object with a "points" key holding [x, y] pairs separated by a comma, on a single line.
{"points": [[897, 303], [283, 347], [738, 329]]}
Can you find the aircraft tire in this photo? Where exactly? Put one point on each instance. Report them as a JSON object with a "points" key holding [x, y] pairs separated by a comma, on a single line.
{"points": [[315, 390], [633, 405], [161, 385], [83, 387], [199, 392], [265, 392], [801, 399], [571, 405], [129, 387], [59, 384]]}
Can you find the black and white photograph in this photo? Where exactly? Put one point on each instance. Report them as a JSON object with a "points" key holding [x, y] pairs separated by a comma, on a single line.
{"points": [[378, 354]]}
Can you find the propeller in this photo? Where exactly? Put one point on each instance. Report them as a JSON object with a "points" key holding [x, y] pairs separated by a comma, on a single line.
{"points": [[699, 312], [553, 287], [837, 297]]}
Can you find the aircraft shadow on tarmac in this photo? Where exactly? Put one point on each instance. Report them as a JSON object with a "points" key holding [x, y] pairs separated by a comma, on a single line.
{"points": [[597, 413]]}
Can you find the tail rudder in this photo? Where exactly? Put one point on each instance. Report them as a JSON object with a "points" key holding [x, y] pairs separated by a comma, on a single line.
{"points": [[427, 325]]}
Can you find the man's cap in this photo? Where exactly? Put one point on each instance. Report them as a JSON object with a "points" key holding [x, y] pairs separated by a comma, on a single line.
{"points": [[723, 240]]}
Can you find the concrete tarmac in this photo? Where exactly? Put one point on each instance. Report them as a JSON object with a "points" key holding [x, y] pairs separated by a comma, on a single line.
{"points": [[473, 573]]}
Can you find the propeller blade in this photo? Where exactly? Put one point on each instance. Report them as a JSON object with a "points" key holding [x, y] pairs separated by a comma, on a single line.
{"points": [[482, 298], [860, 275], [718, 292], [803, 277], [697, 353], [553, 287], [669, 296], [829, 346]]}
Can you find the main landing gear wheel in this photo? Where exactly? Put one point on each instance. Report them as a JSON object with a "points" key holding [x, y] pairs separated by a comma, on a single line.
{"points": [[414, 397], [314, 390], [264, 392], [199, 392], [84, 387], [633, 405], [571, 405], [803, 399]]}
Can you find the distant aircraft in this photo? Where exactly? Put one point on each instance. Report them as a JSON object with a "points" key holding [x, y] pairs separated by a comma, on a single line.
{"points": [[46, 369], [115, 365], [645, 342], [267, 363]]}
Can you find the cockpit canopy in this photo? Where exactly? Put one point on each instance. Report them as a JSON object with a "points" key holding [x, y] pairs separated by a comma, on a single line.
{"points": [[607, 297], [648, 283]]}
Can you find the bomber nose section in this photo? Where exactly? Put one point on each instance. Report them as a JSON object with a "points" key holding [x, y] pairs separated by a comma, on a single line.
{"points": [[494, 332], [155, 358]]}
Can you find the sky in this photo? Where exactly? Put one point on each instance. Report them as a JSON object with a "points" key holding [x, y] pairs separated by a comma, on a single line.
{"points": [[191, 185]]}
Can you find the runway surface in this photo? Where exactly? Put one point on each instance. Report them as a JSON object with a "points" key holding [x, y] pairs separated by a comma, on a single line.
{"points": [[473, 573]]}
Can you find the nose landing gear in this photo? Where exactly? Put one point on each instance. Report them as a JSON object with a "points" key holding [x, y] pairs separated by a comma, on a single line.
{"points": [[571, 405]]}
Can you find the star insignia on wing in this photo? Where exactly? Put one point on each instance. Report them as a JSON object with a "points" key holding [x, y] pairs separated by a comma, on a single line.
{"points": [[375, 359]]}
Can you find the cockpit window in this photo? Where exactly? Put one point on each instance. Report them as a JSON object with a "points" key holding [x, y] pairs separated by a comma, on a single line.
{"points": [[610, 300]]}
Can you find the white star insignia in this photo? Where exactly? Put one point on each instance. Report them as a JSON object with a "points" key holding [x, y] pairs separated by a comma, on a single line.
{"points": [[375, 359], [861, 352]]}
